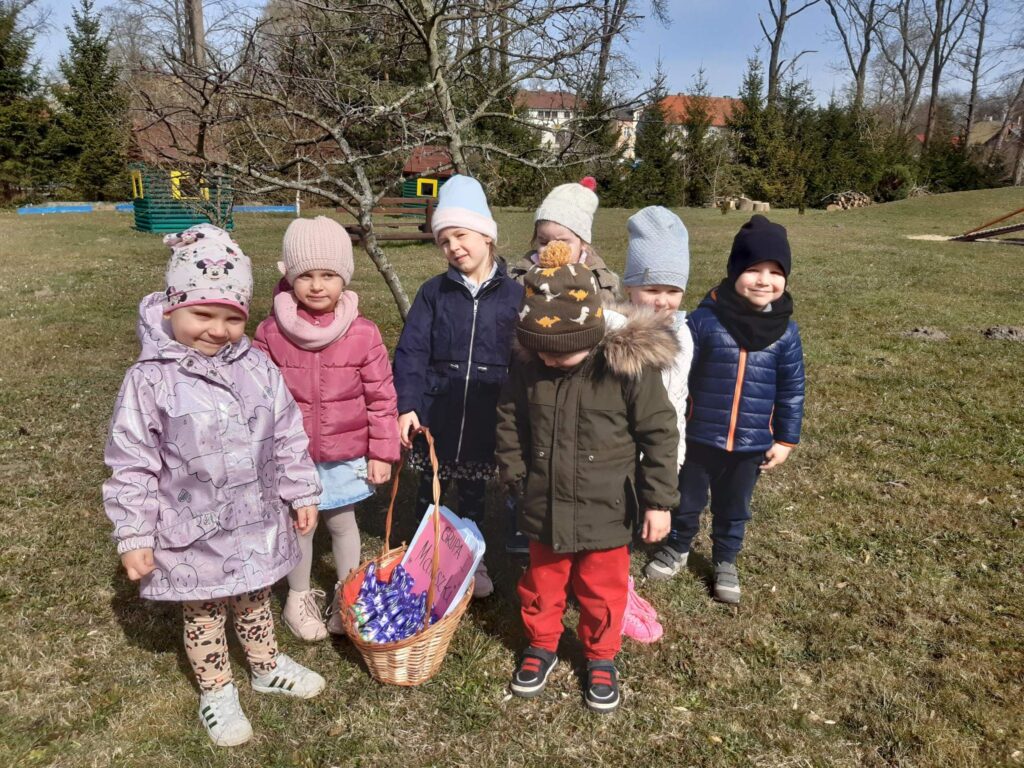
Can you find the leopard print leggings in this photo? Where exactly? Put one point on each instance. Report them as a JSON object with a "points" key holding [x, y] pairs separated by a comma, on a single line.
{"points": [[206, 642]]}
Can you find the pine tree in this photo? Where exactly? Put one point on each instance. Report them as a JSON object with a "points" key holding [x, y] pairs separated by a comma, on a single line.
{"points": [[698, 146], [91, 133], [656, 178], [23, 113]]}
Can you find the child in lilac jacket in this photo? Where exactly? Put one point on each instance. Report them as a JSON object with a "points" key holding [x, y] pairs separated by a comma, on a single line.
{"points": [[209, 464]]}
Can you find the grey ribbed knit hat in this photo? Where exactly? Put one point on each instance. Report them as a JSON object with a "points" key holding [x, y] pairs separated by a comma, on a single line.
{"points": [[659, 249], [319, 243]]}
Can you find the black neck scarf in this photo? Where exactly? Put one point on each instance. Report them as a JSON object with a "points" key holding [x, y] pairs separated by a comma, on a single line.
{"points": [[753, 329]]}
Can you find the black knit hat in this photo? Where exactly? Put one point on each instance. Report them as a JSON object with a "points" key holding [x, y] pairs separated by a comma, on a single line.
{"points": [[561, 311], [759, 240]]}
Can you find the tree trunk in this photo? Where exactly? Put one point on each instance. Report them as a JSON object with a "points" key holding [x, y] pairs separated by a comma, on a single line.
{"points": [[196, 33], [979, 51], [936, 52], [776, 47], [612, 13]]}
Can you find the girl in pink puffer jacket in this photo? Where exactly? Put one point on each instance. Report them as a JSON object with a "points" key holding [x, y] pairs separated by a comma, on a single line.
{"points": [[208, 468], [336, 366]]}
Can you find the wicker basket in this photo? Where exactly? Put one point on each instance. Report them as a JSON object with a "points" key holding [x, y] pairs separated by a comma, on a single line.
{"points": [[415, 659]]}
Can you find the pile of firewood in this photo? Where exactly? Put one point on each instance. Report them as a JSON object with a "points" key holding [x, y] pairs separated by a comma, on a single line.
{"points": [[740, 203], [844, 201]]}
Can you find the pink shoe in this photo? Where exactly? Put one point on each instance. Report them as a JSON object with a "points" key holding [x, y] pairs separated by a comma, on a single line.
{"points": [[640, 606], [640, 622], [641, 629]]}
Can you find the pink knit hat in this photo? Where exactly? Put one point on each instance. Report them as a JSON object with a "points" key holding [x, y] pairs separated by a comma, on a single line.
{"points": [[206, 267], [319, 243]]}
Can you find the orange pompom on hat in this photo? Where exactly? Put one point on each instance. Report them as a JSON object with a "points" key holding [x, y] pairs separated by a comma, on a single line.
{"points": [[561, 309]]}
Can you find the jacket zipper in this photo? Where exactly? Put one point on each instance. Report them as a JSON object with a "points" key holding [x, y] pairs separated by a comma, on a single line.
{"points": [[469, 369], [315, 442], [734, 417]]}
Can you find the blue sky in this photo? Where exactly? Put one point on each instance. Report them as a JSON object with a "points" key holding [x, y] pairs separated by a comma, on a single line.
{"points": [[718, 34]]}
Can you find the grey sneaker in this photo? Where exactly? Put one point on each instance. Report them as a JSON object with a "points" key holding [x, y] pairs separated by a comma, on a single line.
{"points": [[665, 564], [727, 583], [333, 614], [289, 678], [222, 716]]}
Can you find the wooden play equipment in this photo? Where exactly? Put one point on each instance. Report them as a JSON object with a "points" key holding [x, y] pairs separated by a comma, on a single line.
{"points": [[167, 201], [988, 230], [399, 218]]}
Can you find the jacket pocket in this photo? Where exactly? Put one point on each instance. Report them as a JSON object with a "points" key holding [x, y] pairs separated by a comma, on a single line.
{"points": [[438, 383], [244, 508], [183, 532], [604, 485]]}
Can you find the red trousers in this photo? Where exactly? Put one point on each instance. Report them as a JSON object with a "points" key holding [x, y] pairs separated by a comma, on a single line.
{"points": [[600, 580]]}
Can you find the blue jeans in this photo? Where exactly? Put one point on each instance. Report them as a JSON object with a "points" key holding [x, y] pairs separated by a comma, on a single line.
{"points": [[730, 477], [471, 496]]}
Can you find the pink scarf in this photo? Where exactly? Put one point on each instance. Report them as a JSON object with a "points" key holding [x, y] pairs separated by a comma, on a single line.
{"points": [[312, 332]]}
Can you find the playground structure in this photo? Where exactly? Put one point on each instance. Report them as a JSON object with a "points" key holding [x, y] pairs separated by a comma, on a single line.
{"points": [[399, 218], [988, 231]]}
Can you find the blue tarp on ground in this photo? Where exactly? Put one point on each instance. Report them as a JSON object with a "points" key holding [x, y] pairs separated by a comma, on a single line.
{"points": [[129, 208], [264, 209], [32, 209]]}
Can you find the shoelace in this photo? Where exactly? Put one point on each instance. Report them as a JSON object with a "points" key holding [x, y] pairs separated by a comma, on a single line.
{"points": [[225, 705], [309, 604], [332, 606]]}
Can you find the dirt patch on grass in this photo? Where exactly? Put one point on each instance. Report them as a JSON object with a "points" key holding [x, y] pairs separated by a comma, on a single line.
{"points": [[1004, 333], [926, 333]]}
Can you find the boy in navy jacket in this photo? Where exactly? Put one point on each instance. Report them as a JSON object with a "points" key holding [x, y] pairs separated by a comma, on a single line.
{"points": [[746, 400]]}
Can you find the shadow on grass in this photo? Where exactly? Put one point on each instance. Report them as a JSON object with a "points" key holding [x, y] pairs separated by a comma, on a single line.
{"points": [[154, 626]]}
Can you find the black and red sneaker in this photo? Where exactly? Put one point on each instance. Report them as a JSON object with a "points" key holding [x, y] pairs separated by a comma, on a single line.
{"points": [[602, 686], [532, 673]]}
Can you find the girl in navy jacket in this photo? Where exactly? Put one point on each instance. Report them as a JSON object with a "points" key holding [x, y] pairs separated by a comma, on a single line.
{"points": [[453, 355], [746, 400]]}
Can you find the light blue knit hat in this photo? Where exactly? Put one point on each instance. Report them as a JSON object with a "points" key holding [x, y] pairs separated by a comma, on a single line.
{"points": [[461, 202], [659, 249]]}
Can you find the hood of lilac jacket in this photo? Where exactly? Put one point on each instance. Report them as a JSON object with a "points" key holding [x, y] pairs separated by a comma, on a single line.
{"points": [[345, 391], [207, 455]]}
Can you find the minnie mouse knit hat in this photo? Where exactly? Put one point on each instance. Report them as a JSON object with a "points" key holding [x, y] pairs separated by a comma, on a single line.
{"points": [[207, 267]]}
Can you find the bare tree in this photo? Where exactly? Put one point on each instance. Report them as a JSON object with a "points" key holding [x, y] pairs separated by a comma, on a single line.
{"points": [[974, 63], [145, 32], [948, 26], [777, 67], [856, 22], [330, 97], [905, 41], [618, 17]]}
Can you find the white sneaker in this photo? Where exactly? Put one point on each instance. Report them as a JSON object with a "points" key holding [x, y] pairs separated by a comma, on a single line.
{"points": [[289, 679], [301, 615], [222, 716], [334, 623], [482, 584]]}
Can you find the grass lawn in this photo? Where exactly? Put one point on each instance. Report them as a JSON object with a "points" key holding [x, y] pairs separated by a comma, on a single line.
{"points": [[882, 621]]}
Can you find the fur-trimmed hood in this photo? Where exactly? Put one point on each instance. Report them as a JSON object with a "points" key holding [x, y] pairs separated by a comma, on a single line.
{"points": [[636, 337]]}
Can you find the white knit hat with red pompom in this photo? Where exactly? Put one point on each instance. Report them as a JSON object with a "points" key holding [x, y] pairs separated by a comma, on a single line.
{"points": [[571, 205]]}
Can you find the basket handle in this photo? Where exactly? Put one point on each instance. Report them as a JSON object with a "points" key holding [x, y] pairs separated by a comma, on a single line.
{"points": [[436, 560]]}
